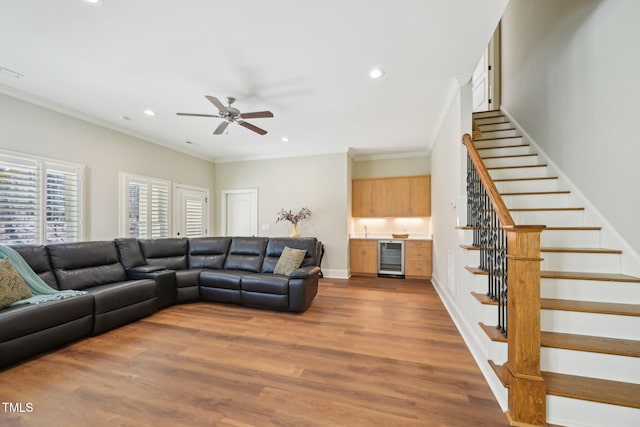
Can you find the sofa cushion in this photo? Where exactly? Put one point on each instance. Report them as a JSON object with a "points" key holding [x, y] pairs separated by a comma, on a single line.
{"points": [[246, 254], [83, 265], [38, 259], [21, 320], [208, 252], [277, 244], [290, 260], [130, 252], [117, 295], [221, 279], [12, 287], [170, 252], [265, 283]]}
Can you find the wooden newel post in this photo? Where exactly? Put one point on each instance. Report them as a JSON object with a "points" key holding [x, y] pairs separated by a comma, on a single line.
{"points": [[527, 389]]}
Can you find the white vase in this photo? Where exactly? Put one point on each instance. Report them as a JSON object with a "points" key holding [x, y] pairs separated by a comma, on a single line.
{"points": [[295, 232]]}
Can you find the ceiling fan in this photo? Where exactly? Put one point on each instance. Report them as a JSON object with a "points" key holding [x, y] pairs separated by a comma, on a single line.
{"points": [[232, 115]]}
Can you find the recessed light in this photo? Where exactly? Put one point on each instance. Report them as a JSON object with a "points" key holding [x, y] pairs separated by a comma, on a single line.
{"points": [[285, 139], [149, 113], [93, 1], [125, 118], [376, 73]]}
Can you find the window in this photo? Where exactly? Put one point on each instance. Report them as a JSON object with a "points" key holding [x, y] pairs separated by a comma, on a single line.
{"points": [[146, 203], [40, 200]]}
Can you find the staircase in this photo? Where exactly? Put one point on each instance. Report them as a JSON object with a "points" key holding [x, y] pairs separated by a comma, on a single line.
{"points": [[590, 309]]}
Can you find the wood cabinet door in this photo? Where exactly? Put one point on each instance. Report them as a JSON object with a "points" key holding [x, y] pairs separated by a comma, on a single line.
{"points": [[361, 198], [419, 196], [363, 256], [418, 261]]}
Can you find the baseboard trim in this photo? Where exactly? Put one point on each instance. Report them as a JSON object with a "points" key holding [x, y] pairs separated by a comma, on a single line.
{"points": [[330, 273]]}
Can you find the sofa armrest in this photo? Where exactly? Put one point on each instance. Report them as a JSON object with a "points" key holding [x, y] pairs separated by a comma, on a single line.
{"points": [[145, 269], [305, 272], [165, 281]]}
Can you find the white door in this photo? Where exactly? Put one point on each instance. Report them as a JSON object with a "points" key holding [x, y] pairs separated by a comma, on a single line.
{"points": [[481, 84], [191, 211], [240, 212]]}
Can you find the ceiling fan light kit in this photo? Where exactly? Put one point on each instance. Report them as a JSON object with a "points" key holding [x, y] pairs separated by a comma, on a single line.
{"points": [[232, 115]]}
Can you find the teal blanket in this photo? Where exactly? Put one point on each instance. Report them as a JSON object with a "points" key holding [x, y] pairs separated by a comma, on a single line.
{"points": [[40, 290]]}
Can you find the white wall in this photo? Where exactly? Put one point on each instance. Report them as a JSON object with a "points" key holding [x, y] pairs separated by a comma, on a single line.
{"points": [[320, 183], [570, 79], [401, 166], [28, 128]]}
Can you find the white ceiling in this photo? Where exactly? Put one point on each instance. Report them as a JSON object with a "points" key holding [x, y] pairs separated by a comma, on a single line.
{"points": [[306, 61]]}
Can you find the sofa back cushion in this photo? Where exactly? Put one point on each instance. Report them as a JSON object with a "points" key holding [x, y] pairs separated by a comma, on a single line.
{"points": [[130, 252], [83, 265], [38, 259], [170, 252], [246, 253], [208, 252], [277, 244]]}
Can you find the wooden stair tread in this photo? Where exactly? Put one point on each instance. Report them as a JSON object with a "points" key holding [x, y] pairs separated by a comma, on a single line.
{"points": [[535, 193], [493, 333], [563, 250], [579, 275], [502, 146], [514, 156], [578, 306], [544, 209], [525, 179], [590, 307], [593, 389], [516, 167], [572, 229], [584, 388], [573, 275], [593, 344], [496, 137]]}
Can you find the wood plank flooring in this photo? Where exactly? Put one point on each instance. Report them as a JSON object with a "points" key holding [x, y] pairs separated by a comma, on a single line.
{"points": [[369, 352]]}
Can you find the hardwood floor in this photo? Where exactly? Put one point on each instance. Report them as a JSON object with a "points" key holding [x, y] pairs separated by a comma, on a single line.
{"points": [[369, 352]]}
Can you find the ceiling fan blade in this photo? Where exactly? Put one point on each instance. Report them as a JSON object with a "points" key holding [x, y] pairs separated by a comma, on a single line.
{"points": [[196, 115], [221, 128], [215, 101], [249, 126], [257, 115]]}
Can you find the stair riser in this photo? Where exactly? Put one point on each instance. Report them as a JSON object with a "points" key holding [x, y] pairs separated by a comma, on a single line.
{"points": [[549, 218], [511, 161], [590, 290], [586, 364], [506, 151], [603, 325], [490, 113], [537, 201], [498, 142], [496, 126], [570, 238], [533, 185], [573, 412], [487, 120], [564, 261], [536, 172], [498, 133]]}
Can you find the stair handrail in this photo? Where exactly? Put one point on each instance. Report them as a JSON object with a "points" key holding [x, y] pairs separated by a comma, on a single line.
{"points": [[487, 183], [510, 254]]}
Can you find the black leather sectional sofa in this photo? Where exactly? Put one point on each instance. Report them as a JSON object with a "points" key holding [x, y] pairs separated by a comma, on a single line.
{"points": [[127, 279]]}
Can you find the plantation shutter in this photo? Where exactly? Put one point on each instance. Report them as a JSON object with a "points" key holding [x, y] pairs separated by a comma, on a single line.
{"points": [[194, 217], [147, 207], [40, 200]]}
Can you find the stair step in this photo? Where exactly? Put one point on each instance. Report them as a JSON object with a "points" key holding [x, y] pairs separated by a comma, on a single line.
{"points": [[572, 275], [572, 305], [500, 147], [579, 275], [487, 113], [533, 178], [563, 250], [496, 138], [535, 193], [593, 389], [544, 209], [516, 167], [590, 307], [510, 156], [493, 126], [584, 388]]}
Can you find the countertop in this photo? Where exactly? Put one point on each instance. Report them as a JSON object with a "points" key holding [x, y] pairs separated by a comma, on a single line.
{"points": [[389, 237]]}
